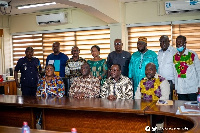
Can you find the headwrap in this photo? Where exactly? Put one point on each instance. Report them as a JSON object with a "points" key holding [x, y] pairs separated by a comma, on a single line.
{"points": [[143, 39]]}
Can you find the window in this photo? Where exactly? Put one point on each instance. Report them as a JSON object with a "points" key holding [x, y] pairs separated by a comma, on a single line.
{"points": [[42, 43], [152, 33], [190, 30], [192, 34], [21, 42]]}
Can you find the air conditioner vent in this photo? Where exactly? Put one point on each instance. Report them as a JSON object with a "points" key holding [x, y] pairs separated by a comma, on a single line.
{"points": [[54, 18]]}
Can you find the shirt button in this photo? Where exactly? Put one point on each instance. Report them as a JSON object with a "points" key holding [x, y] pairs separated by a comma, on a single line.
{"points": [[24, 78], [32, 78], [31, 72]]}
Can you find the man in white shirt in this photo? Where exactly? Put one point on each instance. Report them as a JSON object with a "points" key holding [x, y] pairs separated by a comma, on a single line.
{"points": [[165, 61], [153, 86], [187, 71]]}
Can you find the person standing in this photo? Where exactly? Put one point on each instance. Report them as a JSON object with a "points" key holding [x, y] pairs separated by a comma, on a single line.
{"points": [[139, 60], [97, 65], [165, 61], [73, 66], [58, 59], [187, 71], [29, 68], [119, 56]]}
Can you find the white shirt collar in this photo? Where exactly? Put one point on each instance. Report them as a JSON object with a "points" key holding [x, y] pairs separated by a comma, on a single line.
{"points": [[170, 48]]}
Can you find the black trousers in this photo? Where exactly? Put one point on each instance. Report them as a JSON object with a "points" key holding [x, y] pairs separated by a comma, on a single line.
{"points": [[67, 85], [28, 91], [188, 97], [171, 90]]}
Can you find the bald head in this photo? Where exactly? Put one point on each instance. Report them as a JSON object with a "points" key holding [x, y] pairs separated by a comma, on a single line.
{"points": [[56, 48], [151, 65], [29, 48], [150, 70]]}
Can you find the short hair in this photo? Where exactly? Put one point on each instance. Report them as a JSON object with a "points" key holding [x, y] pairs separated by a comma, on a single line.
{"points": [[50, 65], [119, 66], [29, 48], [74, 47], [56, 43], [164, 36], [118, 40], [183, 37], [97, 47]]}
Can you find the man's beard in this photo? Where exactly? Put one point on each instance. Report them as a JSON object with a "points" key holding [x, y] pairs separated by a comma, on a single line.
{"points": [[142, 50]]}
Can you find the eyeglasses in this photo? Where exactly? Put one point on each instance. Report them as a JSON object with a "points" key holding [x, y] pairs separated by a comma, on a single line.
{"points": [[118, 43]]}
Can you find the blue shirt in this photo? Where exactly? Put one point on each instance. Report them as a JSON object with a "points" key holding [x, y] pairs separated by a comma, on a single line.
{"points": [[59, 61], [29, 71], [138, 63], [122, 58]]}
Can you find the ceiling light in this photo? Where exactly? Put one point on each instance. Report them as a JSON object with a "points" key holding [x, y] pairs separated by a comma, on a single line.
{"points": [[35, 5]]}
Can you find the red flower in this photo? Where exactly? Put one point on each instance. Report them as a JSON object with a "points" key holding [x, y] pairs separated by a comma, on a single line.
{"points": [[183, 67], [177, 57], [192, 56]]}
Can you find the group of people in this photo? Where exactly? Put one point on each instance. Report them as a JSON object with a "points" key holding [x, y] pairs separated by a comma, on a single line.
{"points": [[142, 75]]}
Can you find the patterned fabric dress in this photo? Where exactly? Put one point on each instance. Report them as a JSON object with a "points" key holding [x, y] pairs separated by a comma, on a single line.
{"points": [[150, 89], [51, 89], [122, 88], [90, 86], [73, 68], [98, 68]]}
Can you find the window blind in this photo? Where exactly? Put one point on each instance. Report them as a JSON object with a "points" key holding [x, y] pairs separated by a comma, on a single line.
{"points": [[192, 33], [66, 39], [152, 33], [21, 42], [42, 43], [86, 39]]}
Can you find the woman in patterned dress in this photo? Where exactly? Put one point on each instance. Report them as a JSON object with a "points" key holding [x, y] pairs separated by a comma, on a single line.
{"points": [[97, 65], [50, 85]]}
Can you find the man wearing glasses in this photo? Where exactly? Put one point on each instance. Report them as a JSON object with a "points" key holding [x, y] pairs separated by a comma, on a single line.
{"points": [[139, 60], [120, 57], [117, 86]]}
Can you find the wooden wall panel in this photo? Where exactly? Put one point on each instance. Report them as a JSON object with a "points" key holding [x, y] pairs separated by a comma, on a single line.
{"points": [[94, 121]]}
